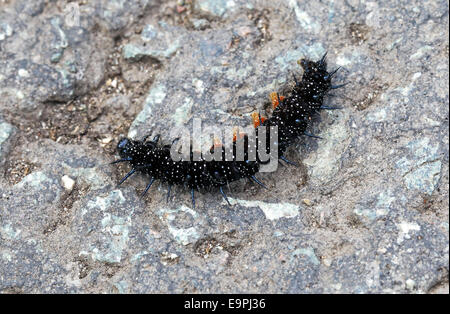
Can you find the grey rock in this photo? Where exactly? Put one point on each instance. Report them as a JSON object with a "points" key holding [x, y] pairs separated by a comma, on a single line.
{"points": [[218, 8], [422, 172], [116, 15], [366, 211], [161, 41], [200, 23], [5, 31], [221, 8], [31, 8], [42, 43], [6, 133]]}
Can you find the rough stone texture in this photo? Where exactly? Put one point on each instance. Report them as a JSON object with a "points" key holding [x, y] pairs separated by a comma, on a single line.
{"points": [[6, 133], [366, 211]]}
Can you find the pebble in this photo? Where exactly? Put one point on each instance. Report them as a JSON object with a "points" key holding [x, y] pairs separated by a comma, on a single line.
{"points": [[67, 182]]}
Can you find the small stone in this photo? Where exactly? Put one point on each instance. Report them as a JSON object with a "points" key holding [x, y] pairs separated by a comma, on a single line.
{"points": [[200, 23], [72, 67], [327, 261], [5, 31], [105, 141], [56, 57], [307, 202], [217, 8], [133, 53], [67, 182], [114, 83], [410, 284], [23, 73], [6, 132]]}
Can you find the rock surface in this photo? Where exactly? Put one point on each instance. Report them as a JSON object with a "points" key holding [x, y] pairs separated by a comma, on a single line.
{"points": [[366, 211]]}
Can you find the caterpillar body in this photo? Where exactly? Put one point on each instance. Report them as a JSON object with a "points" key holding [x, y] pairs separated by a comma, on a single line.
{"points": [[291, 116]]}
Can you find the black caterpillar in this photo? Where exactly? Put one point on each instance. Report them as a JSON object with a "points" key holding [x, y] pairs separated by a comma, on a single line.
{"points": [[291, 115]]}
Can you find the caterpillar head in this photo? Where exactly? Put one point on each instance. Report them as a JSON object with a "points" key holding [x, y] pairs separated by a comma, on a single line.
{"points": [[129, 148], [125, 147]]}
